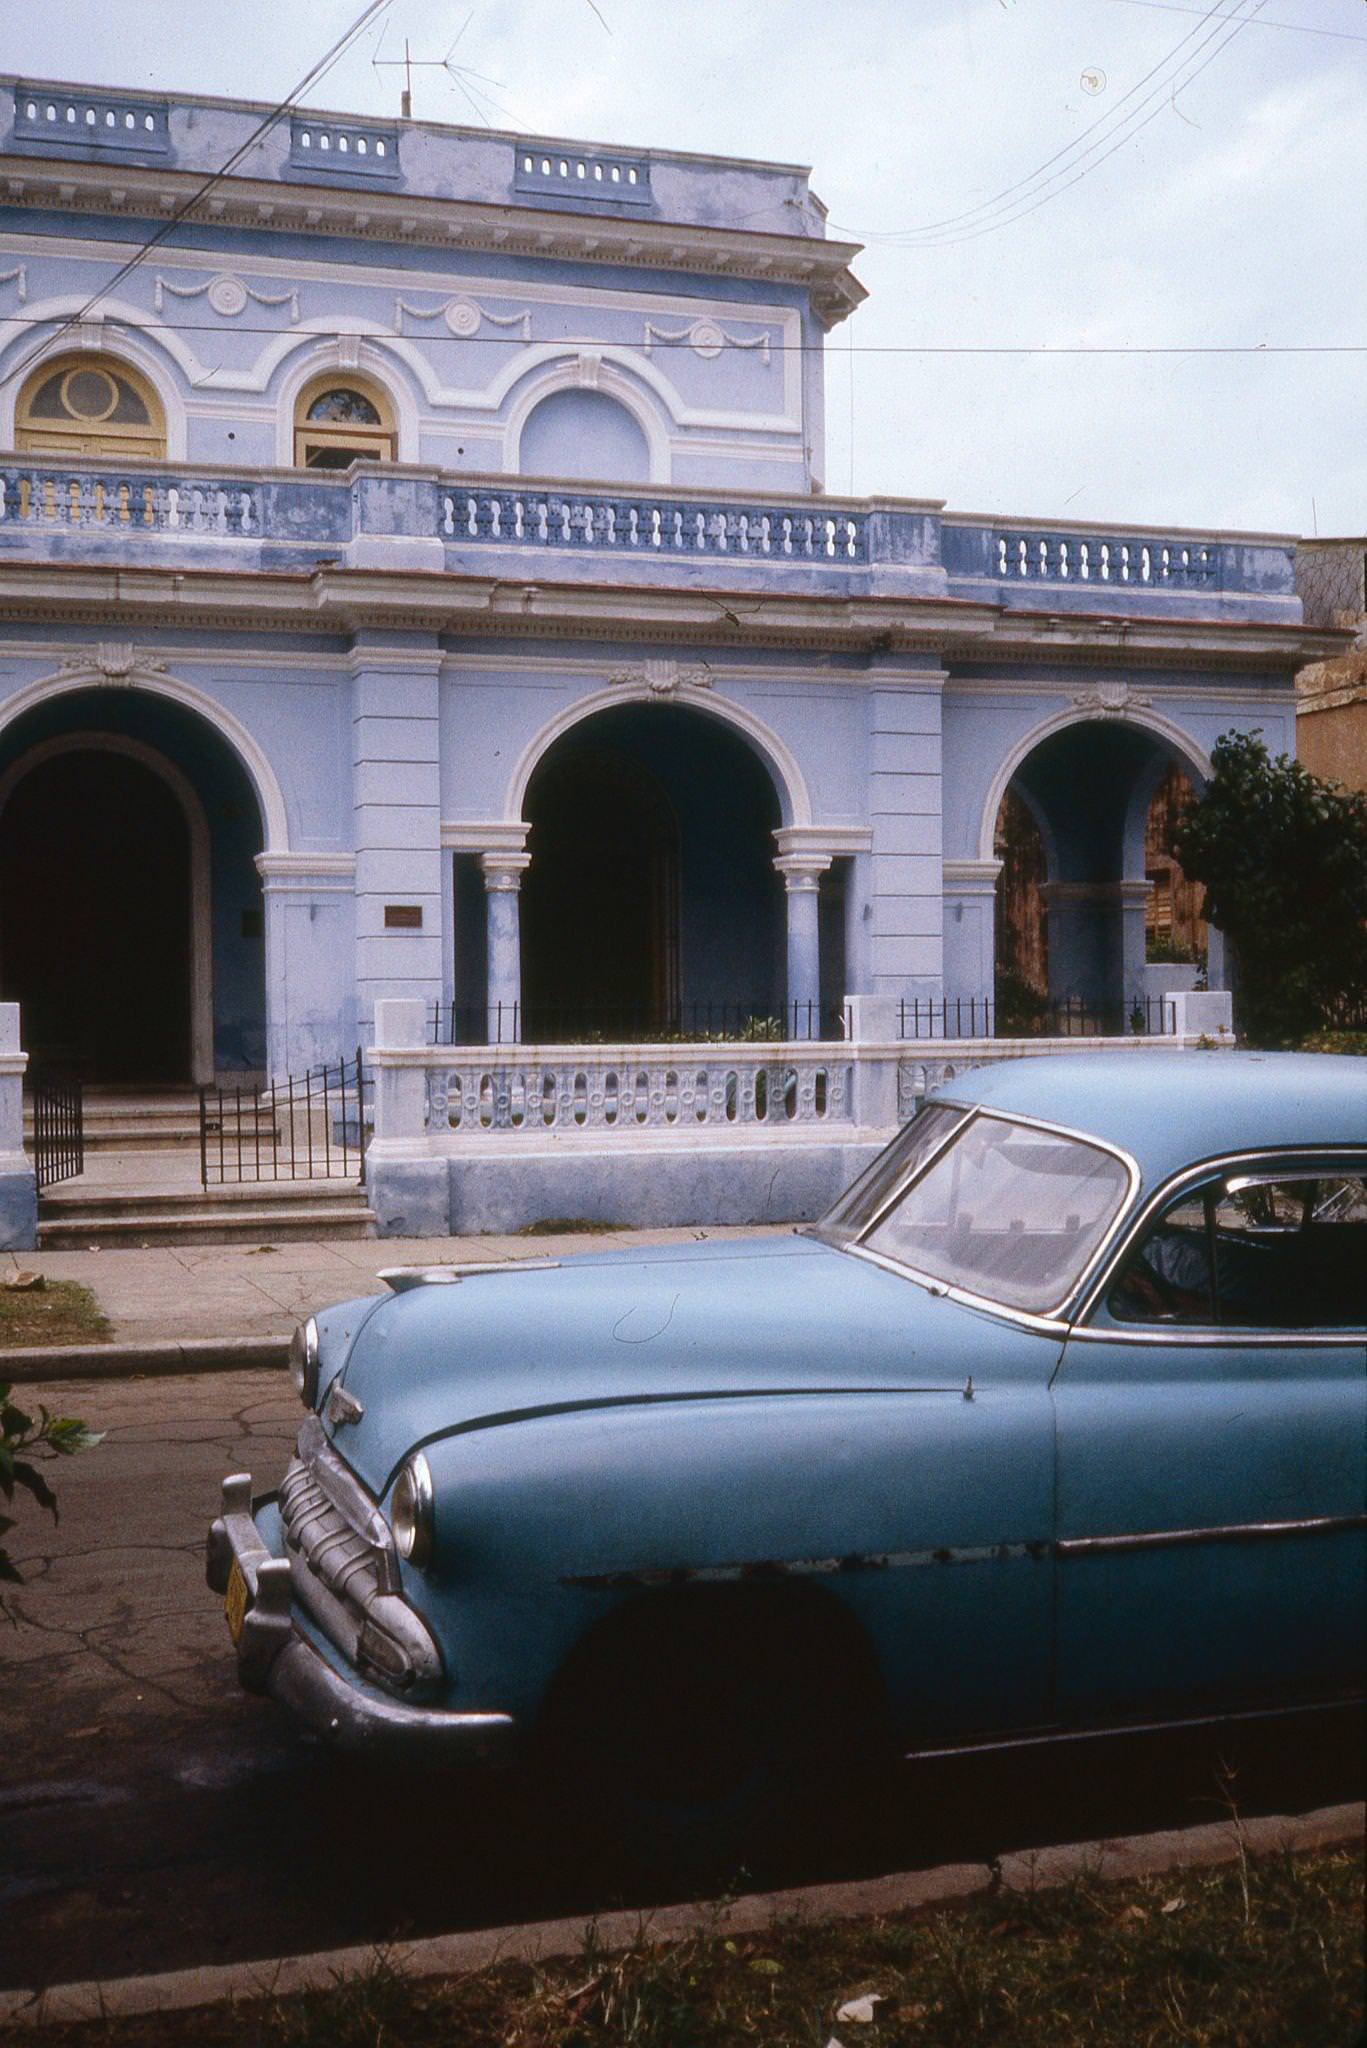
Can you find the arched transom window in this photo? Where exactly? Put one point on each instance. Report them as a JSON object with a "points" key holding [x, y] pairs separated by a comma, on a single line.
{"points": [[89, 405], [339, 421]]}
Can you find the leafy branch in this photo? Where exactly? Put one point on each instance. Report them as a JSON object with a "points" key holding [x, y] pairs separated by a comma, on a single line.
{"points": [[23, 1440]]}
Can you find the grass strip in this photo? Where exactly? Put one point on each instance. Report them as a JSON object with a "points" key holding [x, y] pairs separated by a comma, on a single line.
{"points": [[1256, 1954], [58, 1312]]}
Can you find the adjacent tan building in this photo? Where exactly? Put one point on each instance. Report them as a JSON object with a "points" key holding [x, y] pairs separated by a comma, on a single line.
{"points": [[1331, 696]]}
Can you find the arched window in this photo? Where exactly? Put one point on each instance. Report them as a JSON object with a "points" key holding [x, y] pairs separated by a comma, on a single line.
{"points": [[89, 405], [338, 421]]}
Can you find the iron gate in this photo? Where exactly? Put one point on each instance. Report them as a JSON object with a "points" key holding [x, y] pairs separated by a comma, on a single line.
{"points": [[58, 1126], [309, 1126]]}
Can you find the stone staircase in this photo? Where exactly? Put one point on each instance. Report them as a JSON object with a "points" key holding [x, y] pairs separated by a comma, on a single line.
{"points": [[141, 1186]]}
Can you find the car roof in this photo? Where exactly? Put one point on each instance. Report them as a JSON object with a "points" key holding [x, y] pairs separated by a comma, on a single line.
{"points": [[1169, 1109]]}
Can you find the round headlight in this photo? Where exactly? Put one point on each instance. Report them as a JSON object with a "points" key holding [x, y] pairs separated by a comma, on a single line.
{"points": [[304, 1361], [411, 1510]]}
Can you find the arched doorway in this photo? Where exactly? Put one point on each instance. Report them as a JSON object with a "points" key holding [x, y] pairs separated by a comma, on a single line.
{"points": [[95, 930], [131, 912], [1076, 834], [602, 897], [651, 903]]}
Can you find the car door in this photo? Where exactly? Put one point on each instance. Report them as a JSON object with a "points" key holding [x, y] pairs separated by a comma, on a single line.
{"points": [[1211, 1412]]}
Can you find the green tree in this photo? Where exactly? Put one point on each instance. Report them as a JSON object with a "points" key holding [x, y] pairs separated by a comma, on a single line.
{"points": [[1283, 858], [22, 1440]]}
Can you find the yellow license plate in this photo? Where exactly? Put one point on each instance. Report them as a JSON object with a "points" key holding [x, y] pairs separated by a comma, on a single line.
{"points": [[236, 1601]]}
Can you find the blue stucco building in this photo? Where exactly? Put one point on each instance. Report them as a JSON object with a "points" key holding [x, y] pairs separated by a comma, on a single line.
{"points": [[417, 581]]}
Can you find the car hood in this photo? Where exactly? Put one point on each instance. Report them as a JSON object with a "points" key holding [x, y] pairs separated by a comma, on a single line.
{"points": [[730, 1320]]}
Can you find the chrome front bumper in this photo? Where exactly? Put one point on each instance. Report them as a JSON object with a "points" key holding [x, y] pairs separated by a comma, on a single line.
{"points": [[275, 1656]]}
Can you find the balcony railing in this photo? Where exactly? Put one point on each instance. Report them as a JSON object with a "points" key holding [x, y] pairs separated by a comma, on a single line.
{"points": [[835, 546], [652, 525], [125, 501]]}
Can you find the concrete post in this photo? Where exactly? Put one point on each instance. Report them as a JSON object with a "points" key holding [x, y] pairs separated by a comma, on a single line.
{"points": [[18, 1184], [503, 874], [802, 874], [408, 1188], [875, 1021]]}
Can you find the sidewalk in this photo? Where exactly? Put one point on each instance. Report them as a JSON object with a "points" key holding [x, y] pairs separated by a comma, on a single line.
{"points": [[165, 1294]]}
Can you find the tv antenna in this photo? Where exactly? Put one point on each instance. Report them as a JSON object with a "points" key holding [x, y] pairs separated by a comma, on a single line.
{"points": [[408, 64]]}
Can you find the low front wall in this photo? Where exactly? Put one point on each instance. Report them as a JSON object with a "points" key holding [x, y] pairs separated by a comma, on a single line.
{"points": [[663, 1181], [474, 1140]]}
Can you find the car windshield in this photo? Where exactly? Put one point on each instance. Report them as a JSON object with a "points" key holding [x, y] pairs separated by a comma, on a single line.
{"points": [[1005, 1210]]}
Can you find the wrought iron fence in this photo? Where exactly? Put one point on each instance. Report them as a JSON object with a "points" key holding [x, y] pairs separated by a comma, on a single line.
{"points": [[1067, 1017], [309, 1126], [58, 1126], [746, 1023]]}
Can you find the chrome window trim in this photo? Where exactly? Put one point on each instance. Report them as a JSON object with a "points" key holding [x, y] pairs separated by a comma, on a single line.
{"points": [[1050, 1320], [1046, 1325], [1209, 1334], [845, 1240]]}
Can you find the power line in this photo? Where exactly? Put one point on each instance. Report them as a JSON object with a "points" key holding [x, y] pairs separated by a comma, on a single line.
{"points": [[1304, 28], [949, 242], [312, 76], [777, 345], [1018, 185], [1221, 34]]}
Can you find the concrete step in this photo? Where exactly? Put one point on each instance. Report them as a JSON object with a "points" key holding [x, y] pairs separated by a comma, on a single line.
{"points": [[159, 1137], [70, 1226], [93, 1197]]}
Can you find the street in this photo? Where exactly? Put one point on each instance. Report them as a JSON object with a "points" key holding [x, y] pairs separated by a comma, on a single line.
{"points": [[153, 1815]]}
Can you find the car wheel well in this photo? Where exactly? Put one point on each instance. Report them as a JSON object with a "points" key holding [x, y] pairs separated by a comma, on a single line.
{"points": [[792, 1635]]}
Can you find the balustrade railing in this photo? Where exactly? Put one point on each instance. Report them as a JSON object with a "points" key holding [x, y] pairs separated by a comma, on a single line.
{"points": [[126, 502], [652, 526], [642, 1093], [1083, 558], [309, 510]]}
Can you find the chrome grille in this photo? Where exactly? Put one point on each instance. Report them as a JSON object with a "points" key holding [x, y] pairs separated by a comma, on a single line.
{"points": [[345, 1573]]}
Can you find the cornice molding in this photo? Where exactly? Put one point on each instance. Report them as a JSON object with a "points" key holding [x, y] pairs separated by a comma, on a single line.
{"points": [[355, 600], [415, 220]]}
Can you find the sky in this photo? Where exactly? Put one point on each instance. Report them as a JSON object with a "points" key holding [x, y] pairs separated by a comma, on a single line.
{"points": [[1219, 205]]}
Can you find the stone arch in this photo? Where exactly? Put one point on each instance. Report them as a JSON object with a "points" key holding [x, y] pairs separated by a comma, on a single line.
{"points": [[111, 664], [652, 683], [1190, 754], [580, 370], [197, 831]]}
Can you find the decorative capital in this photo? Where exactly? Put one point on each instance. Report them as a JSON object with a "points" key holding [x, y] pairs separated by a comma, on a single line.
{"points": [[661, 678], [503, 872], [1110, 700], [802, 871]]}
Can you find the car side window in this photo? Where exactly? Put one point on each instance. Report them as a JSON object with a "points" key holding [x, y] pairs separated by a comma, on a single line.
{"points": [[1254, 1250]]}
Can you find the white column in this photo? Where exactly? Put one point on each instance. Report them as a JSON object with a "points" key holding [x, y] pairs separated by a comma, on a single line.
{"points": [[802, 874], [503, 874]]}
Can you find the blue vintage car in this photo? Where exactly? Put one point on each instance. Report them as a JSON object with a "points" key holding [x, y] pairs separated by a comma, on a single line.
{"points": [[1055, 1422]]}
